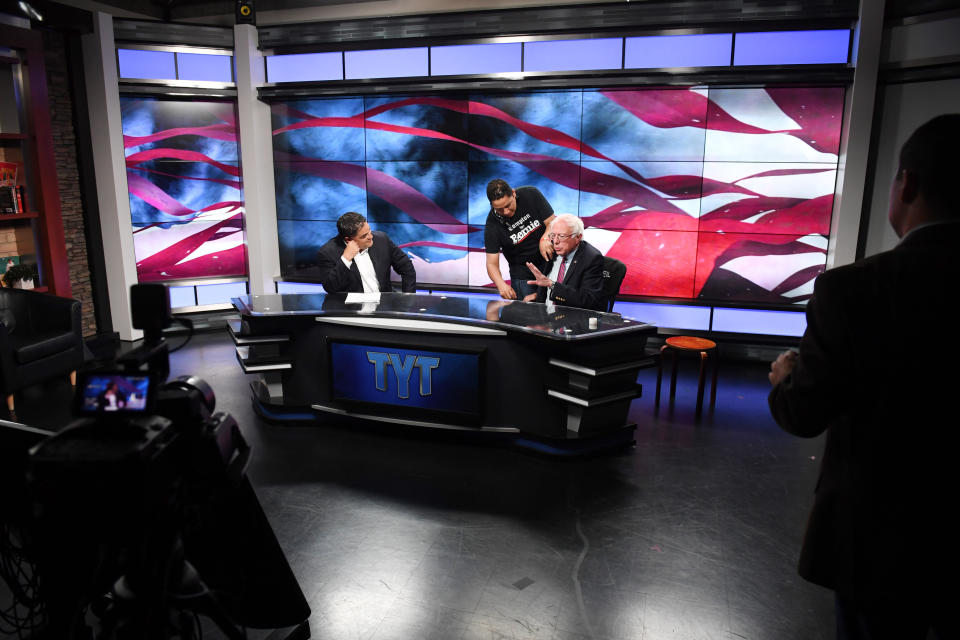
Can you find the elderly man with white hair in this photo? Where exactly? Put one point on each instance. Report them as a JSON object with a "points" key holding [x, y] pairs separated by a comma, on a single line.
{"points": [[574, 278]]}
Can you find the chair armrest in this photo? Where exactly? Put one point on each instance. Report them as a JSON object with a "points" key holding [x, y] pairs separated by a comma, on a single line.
{"points": [[55, 313], [7, 365]]}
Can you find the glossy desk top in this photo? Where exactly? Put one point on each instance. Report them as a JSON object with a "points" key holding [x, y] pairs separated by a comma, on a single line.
{"points": [[565, 323]]}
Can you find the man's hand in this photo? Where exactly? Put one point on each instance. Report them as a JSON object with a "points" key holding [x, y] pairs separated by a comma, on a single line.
{"points": [[531, 297], [782, 367], [546, 247], [351, 250], [540, 279], [506, 291]]}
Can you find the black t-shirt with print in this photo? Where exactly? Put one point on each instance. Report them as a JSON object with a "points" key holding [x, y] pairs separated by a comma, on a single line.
{"points": [[518, 237]]}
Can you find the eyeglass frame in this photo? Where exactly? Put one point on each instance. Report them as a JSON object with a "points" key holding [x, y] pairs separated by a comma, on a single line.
{"points": [[561, 236]]}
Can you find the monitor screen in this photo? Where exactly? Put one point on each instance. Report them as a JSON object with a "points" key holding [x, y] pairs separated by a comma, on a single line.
{"points": [[442, 381], [708, 193], [114, 392]]}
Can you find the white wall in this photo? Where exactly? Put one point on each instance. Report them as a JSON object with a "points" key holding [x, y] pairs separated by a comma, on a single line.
{"points": [[106, 135], [256, 159], [854, 156]]}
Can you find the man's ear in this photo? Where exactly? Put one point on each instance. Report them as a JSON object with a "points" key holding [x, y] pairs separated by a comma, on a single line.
{"points": [[909, 186]]}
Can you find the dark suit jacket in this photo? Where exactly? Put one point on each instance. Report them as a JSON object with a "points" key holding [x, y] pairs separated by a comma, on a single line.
{"points": [[336, 277], [877, 372], [582, 284]]}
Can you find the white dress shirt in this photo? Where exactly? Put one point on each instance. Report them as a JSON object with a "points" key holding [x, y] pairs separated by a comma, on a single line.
{"points": [[367, 275], [555, 270]]}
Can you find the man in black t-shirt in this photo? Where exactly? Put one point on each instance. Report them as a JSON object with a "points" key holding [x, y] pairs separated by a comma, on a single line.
{"points": [[515, 226]]}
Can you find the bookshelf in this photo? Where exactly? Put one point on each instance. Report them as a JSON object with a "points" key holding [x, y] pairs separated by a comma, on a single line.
{"points": [[33, 231]]}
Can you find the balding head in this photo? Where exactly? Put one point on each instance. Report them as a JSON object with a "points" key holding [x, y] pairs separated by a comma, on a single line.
{"points": [[922, 190], [566, 233]]}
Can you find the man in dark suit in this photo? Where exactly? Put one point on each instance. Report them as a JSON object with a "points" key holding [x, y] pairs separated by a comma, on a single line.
{"points": [[875, 371], [358, 260], [574, 278]]}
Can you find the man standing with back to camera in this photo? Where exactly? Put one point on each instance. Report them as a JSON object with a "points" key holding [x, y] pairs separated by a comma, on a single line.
{"points": [[515, 225], [875, 370]]}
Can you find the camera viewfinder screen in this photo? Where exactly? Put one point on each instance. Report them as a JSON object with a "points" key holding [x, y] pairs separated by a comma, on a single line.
{"points": [[115, 392]]}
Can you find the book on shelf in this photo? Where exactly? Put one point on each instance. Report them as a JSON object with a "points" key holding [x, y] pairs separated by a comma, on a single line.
{"points": [[12, 200], [9, 202], [8, 174]]}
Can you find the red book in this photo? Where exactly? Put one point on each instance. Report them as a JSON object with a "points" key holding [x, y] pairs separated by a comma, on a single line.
{"points": [[20, 207]]}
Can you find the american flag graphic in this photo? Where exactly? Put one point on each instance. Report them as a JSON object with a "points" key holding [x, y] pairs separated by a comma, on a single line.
{"points": [[184, 180], [723, 194], [719, 194]]}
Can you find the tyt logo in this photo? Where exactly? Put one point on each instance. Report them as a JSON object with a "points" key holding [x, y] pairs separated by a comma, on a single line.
{"points": [[403, 369]]}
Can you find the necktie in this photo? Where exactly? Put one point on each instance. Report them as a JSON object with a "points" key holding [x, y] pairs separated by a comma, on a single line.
{"points": [[563, 268]]}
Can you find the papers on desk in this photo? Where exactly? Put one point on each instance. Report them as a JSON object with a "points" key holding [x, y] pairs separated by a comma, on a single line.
{"points": [[368, 301]]}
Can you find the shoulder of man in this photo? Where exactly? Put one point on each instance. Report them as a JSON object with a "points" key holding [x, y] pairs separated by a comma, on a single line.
{"points": [[383, 237], [860, 268], [336, 242], [850, 282], [589, 250], [526, 189]]}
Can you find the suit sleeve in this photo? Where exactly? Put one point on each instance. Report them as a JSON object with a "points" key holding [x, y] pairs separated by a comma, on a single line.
{"points": [[402, 264], [541, 294], [819, 388], [588, 293], [334, 275]]}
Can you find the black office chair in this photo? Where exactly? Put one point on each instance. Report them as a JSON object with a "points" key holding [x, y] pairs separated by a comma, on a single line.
{"points": [[40, 338], [614, 272]]}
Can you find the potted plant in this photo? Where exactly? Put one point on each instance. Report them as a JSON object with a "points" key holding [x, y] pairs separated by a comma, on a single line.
{"points": [[21, 276]]}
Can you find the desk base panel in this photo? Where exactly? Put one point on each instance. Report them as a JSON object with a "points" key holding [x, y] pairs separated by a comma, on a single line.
{"points": [[610, 439]]}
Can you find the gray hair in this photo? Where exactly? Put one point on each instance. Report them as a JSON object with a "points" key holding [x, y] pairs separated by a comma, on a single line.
{"points": [[573, 222]]}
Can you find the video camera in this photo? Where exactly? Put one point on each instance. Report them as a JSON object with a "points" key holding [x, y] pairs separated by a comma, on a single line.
{"points": [[138, 504]]}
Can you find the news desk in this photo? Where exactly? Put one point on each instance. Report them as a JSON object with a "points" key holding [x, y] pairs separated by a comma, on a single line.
{"points": [[558, 379]]}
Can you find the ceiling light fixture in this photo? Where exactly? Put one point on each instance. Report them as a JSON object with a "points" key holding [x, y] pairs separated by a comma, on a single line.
{"points": [[31, 13]]}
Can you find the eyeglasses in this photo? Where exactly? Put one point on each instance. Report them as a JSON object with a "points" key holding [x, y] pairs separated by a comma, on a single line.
{"points": [[560, 236]]}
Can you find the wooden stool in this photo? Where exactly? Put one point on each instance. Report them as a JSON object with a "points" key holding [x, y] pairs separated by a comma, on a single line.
{"points": [[689, 344]]}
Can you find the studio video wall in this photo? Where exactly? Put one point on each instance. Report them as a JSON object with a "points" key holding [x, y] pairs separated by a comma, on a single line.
{"points": [[720, 194], [184, 179]]}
